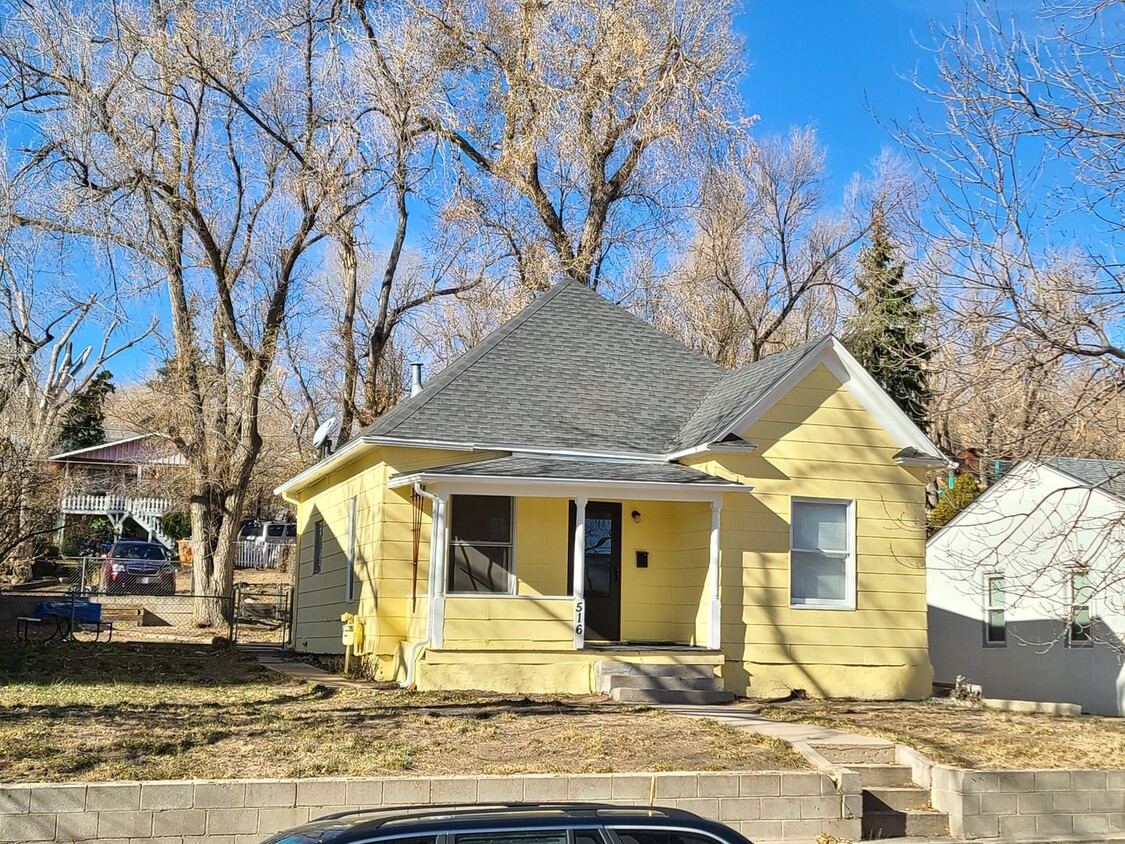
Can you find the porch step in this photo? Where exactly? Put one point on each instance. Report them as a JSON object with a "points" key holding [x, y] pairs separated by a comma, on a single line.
{"points": [[660, 683], [668, 696], [913, 823]]}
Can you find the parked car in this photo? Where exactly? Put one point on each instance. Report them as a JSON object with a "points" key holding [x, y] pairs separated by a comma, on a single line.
{"points": [[266, 532], [138, 568], [520, 823]]}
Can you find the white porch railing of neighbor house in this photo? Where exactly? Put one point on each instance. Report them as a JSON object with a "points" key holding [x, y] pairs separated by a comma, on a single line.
{"points": [[254, 554], [145, 511]]}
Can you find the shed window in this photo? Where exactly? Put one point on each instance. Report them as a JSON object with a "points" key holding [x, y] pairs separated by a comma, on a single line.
{"points": [[480, 544], [1081, 624], [822, 555], [995, 604]]}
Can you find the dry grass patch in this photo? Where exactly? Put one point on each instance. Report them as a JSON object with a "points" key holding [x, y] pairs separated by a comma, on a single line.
{"points": [[157, 711], [972, 737]]}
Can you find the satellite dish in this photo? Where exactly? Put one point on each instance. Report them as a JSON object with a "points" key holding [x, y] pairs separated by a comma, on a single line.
{"points": [[324, 433], [81, 362]]}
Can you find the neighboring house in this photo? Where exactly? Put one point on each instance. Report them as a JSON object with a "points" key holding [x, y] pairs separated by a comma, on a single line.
{"points": [[600, 493], [118, 481], [1024, 586]]}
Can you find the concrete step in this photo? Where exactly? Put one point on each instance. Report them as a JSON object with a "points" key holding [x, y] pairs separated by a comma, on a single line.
{"points": [[897, 799], [636, 681], [693, 697], [913, 823], [858, 754], [607, 667], [882, 776]]}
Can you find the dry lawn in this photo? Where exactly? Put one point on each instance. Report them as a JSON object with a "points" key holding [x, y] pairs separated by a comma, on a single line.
{"points": [[972, 737], [160, 711]]}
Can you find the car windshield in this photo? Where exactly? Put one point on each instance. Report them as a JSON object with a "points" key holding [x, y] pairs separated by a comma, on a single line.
{"points": [[138, 552]]}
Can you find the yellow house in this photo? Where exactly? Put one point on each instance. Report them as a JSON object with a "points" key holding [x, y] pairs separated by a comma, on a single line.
{"points": [[580, 504]]}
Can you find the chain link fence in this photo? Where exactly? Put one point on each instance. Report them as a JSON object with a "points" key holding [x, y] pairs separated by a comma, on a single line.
{"points": [[142, 605]]}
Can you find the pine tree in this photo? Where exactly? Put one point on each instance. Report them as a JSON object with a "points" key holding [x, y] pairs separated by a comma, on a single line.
{"points": [[84, 420], [885, 335], [964, 492]]}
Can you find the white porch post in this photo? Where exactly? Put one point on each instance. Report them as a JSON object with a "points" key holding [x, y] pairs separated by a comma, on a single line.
{"points": [[440, 536], [714, 581], [579, 585]]}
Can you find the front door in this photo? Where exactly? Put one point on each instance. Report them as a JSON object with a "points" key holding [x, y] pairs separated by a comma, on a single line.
{"points": [[603, 569]]}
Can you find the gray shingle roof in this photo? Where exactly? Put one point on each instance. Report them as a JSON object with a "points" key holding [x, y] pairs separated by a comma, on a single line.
{"points": [[573, 371], [1101, 474], [737, 392], [570, 371], [582, 470]]}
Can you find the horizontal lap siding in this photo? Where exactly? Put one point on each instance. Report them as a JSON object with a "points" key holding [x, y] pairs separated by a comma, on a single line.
{"points": [[511, 623], [820, 442]]}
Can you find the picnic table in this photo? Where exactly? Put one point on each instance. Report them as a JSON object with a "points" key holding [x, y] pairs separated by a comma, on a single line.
{"points": [[67, 616]]}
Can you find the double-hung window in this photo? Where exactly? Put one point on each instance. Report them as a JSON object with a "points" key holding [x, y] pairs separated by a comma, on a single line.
{"points": [[480, 544], [995, 605], [822, 554], [1080, 634]]}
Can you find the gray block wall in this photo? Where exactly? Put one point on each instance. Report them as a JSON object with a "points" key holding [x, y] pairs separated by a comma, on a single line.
{"points": [[764, 806], [1083, 804]]}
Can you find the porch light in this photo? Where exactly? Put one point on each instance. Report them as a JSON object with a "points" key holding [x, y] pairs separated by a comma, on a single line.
{"points": [[636, 514]]}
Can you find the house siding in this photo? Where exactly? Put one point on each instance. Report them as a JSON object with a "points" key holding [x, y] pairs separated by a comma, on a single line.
{"points": [[1031, 526], [820, 442]]}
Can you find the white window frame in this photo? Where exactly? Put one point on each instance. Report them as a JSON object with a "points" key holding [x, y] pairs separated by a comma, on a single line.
{"points": [[990, 608], [349, 563], [1070, 640], [513, 580], [849, 600]]}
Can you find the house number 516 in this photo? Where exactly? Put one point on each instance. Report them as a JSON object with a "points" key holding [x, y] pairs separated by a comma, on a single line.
{"points": [[579, 611]]}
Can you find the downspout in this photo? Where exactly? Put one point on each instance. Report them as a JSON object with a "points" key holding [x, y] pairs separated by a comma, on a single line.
{"points": [[416, 647]]}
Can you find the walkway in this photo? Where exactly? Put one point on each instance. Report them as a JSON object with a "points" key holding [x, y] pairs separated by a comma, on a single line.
{"points": [[269, 656], [751, 721]]}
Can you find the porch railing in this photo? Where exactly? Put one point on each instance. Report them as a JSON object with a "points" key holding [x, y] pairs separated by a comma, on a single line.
{"points": [[92, 504]]}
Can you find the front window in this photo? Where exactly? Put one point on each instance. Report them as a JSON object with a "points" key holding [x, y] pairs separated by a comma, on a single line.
{"points": [[1081, 624], [995, 605], [480, 544], [822, 555], [139, 552]]}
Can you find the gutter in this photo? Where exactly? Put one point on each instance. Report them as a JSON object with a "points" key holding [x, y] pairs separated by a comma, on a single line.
{"points": [[416, 647]]}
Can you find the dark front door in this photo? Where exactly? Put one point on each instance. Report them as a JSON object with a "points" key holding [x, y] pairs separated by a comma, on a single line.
{"points": [[603, 569]]}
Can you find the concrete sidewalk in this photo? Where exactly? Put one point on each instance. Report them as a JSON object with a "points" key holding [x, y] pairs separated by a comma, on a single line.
{"points": [[271, 657], [747, 719]]}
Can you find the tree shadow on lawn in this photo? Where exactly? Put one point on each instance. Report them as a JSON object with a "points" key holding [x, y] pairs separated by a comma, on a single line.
{"points": [[134, 663]]}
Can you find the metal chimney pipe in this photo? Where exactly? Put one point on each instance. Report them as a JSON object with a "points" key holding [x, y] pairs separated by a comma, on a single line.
{"points": [[415, 378]]}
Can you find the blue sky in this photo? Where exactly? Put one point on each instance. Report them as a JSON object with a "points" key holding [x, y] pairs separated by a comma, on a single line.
{"points": [[822, 62]]}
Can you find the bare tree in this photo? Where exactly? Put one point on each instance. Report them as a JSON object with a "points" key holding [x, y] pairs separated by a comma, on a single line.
{"points": [[215, 146], [768, 260], [576, 125]]}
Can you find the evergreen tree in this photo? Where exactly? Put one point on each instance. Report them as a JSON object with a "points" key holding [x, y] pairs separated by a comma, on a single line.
{"points": [[885, 335], [83, 423], [964, 492]]}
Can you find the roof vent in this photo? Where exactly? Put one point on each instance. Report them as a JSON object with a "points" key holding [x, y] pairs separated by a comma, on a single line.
{"points": [[415, 378]]}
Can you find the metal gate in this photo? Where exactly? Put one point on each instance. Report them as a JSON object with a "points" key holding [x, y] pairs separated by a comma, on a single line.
{"points": [[262, 613]]}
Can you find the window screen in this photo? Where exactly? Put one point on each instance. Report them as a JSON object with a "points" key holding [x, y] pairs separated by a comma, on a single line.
{"points": [[821, 558], [480, 544]]}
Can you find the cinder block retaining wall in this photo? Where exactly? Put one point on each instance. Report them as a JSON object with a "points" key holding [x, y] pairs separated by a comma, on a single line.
{"points": [[766, 807], [1024, 805]]}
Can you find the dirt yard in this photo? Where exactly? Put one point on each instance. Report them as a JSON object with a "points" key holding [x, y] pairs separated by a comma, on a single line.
{"points": [[972, 737], [160, 711]]}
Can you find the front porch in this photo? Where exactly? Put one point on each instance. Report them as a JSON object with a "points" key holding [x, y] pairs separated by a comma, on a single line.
{"points": [[538, 581]]}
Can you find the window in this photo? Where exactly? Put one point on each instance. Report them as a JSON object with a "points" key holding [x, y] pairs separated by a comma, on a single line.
{"points": [[480, 544], [318, 544], [662, 836], [822, 555], [275, 531], [1080, 634], [349, 563], [995, 602], [546, 836]]}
